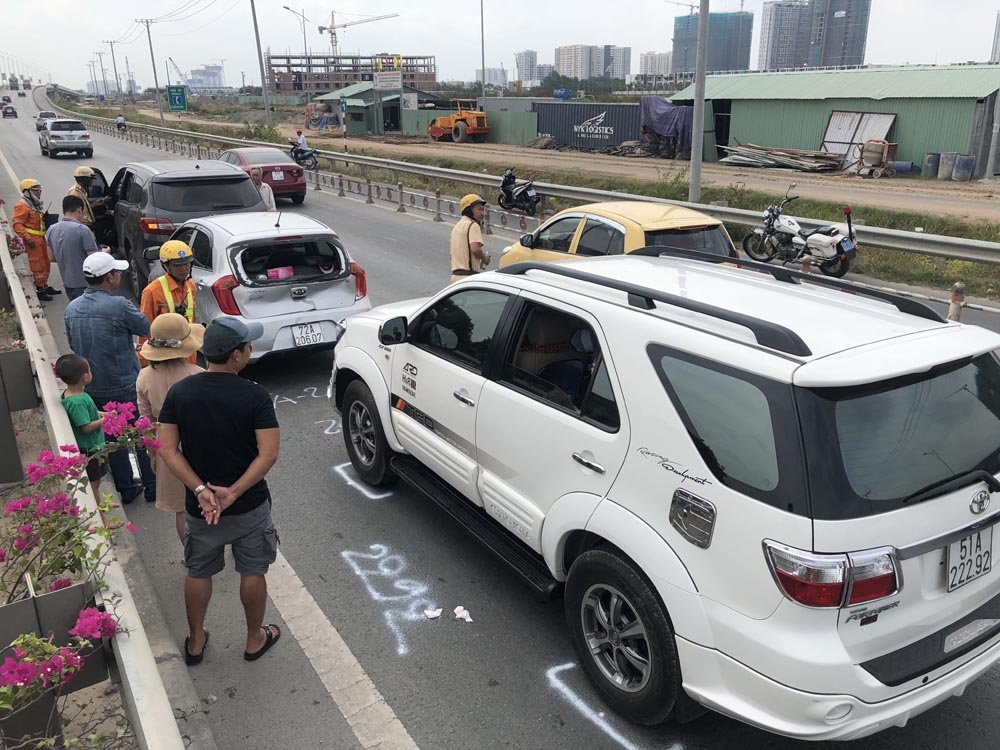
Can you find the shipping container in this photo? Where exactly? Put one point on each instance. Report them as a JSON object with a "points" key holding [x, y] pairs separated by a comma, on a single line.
{"points": [[588, 126], [511, 103]]}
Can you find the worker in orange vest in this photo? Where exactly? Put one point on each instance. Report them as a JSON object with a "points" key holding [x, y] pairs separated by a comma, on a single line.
{"points": [[29, 225], [173, 292]]}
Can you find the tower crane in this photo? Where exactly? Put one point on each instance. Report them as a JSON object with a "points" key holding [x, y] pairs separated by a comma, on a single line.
{"points": [[333, 26], [690, 6]]}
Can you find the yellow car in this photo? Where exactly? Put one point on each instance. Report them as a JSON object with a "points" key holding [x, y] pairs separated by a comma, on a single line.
{"points": [[618, 227]]}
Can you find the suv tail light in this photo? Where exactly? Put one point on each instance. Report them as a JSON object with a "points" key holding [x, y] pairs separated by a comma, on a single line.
{"points": [[360, 279], [223, 291], [156, 226], [819, 580]]}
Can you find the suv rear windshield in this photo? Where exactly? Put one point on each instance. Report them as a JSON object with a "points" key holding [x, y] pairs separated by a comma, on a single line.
{"points": [[871, 447], [713, 240], [67, 125], [190, 196], [267, 157], [43, 115], [307, 259]]}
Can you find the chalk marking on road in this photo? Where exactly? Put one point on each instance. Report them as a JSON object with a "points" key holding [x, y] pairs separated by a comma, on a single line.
{"points": [[367, 492], [585, 710], [389, 566], [332, 428], [370, 717]]}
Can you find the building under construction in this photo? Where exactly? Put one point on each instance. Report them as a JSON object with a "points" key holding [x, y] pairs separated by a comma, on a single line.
{"points": [[320, 74]]}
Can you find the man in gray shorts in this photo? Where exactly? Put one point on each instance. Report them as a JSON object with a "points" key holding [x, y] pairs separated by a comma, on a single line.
{"points": [[230, 439]]}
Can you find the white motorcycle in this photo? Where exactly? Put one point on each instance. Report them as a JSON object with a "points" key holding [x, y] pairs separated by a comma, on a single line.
{"points": [[829, 248]]}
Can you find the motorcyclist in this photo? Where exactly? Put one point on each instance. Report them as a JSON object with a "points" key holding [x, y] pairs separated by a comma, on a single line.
{"points": [[84, 178], [174, 292], [120, 122], [300, 145]]}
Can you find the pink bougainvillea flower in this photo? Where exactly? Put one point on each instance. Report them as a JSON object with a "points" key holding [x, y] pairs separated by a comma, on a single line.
{"points": [[60, 583], [68, 448], [131, 527], [93, 623]]}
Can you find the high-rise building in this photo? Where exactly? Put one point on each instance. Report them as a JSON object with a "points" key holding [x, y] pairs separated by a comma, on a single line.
{"points": [[784, 35], [838, 32], [543, 70], [527, 65], [654, 63], [494, 77], [995, 57], [729, 37], [621, 62], [575, 61], [206, 77], [585, 61]]}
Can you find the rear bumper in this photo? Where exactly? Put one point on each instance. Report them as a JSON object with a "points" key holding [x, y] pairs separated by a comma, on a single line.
{"points": [[731, 688], [289, 187], [278, 330]]}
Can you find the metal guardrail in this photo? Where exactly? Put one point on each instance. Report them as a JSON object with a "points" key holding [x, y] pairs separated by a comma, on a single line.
{"points": [[143, 693], [891, 239]]}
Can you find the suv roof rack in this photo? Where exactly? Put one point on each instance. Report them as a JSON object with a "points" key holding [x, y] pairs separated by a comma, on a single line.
{"points": [[768, 334], [901, 303]]}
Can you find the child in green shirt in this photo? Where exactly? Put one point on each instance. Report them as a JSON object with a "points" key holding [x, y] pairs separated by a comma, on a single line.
{"points": [[86, 420]]}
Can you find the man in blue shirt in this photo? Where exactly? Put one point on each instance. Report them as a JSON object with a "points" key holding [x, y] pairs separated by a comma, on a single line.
{"points": [[70, 241], [100, 326]]}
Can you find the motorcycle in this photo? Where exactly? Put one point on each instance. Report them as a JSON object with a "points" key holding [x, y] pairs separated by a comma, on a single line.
{"points": [[305, 157], [515, 193], [781, 238]]}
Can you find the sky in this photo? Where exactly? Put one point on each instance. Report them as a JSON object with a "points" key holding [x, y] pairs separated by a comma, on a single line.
{"points": [[55, 38]]}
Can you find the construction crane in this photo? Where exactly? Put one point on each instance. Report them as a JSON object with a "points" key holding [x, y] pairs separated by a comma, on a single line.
{"points": [[333, 26], [691, 6], [180, 73]]}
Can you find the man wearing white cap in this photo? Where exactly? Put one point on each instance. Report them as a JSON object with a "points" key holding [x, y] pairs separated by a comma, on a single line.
{"points": [[100, 326]]}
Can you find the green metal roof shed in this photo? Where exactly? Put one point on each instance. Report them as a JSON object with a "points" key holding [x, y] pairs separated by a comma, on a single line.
{"points": [[937, 109]]}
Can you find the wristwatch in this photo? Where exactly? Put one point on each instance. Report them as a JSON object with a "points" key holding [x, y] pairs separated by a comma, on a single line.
{"points": [[198, 490]]}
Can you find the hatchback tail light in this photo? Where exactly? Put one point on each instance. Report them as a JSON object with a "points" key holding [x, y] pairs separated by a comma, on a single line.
{"points": [[154, 225], [360, 279], [56, 137], [223, 291], [829, 581]]}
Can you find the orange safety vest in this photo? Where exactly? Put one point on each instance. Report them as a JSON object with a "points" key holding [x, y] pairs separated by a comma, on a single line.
{"points": [[189, 302]]}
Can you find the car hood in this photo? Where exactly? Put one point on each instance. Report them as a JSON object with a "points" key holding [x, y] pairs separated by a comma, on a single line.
{"points": [[394, 309]]}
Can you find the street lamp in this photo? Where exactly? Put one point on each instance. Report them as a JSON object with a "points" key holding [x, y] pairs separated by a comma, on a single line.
{"points": [[302, 20]]}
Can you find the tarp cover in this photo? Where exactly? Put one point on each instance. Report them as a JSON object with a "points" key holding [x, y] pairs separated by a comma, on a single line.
{"points": [[665, 119]]}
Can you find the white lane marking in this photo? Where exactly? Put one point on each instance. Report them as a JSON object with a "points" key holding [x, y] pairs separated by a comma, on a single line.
{"points": [[389, 566], [363, 489], [371, 719], [9, 169]]}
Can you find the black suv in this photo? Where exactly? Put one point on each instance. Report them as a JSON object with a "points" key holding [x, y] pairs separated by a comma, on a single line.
{"points": [[147, 201]]}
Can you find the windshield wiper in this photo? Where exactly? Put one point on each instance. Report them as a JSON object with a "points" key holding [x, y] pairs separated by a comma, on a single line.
{"points": [[944, 486]]}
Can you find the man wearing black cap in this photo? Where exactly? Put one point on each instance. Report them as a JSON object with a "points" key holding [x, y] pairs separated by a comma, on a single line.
{"points": [[230, 436]]}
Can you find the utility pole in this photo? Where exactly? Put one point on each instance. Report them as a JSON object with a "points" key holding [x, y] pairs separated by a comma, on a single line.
{"points": [[244, 77], [128, 78], [482, 44], [93, 79], [118, 84], [698, 126], [104, 78], [156, 82], [260, 59], [222, 62]]}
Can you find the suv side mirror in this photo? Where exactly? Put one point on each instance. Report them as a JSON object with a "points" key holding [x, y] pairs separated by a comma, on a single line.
{"points": [[393, 331], [151, 253], [527, 240]]}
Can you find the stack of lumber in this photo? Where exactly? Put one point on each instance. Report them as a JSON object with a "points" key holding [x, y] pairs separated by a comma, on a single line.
{"points": [[750, 155]]}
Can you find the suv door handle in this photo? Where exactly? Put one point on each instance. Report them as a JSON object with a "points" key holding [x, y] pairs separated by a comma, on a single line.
{"points": [[592, 465], [463, 398]]}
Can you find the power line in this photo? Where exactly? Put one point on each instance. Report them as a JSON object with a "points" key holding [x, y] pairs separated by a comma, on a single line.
{"points": [[192, 13], [182, 9], [226, 12]]}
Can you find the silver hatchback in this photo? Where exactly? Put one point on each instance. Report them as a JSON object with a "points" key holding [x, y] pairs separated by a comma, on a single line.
{"points": [[286, 271], [64, 135]]}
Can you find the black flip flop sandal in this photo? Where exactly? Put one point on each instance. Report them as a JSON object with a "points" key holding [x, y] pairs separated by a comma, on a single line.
{"points": [[192, 659], [270, 640]]}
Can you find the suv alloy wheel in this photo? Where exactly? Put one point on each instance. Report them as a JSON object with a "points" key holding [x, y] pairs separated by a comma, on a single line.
{"points": [[622, 636], [363, 437]]}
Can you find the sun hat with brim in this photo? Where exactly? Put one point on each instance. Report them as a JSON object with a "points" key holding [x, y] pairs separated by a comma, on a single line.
{"points": [[172, 337]]}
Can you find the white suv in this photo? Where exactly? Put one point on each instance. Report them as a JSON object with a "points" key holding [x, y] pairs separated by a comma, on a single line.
{"points": [[763, 495]]}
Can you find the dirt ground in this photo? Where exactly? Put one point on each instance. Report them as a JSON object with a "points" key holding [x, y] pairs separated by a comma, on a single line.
{"points": [[975, 201]]}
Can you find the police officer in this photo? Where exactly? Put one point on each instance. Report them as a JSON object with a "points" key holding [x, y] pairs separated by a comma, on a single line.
{"points": [[174, 292], [468, 255], [83, 178]]}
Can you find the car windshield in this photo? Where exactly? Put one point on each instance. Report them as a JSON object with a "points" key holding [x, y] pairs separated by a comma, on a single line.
{"points": [[47, 115], [267, 157], [711, 239], [881, 443], [67, 125], [205, 195]]}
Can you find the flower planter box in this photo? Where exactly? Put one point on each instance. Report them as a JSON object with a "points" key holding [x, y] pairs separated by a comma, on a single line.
{"points": [[56, 613]]}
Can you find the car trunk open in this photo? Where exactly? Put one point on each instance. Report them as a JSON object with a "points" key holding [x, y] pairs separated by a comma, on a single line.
{"points": [[278, 276]]}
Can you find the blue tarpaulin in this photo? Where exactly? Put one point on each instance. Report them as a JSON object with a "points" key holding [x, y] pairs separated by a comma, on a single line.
{"points": [[666, 119]]}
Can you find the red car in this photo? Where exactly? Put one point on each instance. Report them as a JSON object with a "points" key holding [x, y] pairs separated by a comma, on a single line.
{"points": [[286, 178]]}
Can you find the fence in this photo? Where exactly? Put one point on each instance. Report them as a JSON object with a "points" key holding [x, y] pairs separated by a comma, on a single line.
{"points": [[207, 146]]}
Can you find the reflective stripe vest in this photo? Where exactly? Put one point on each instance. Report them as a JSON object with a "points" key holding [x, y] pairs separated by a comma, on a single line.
{"points": [[188, 303]]}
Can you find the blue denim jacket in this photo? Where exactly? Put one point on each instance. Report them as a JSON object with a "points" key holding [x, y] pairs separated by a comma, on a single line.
{"points": [[100, 327]]}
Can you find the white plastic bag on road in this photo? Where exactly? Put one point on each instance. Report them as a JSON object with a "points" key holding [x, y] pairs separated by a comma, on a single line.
{"points": [[461, 613]]}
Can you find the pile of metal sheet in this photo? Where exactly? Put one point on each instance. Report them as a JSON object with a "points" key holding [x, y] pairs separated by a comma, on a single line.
{"points": [[750, 155]]}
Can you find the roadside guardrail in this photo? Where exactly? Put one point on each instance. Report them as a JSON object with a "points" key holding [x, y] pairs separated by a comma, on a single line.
{"points": [[201, 145], [143, 694]]}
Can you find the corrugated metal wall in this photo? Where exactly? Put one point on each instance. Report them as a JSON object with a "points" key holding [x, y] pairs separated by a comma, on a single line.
{"points": [[505, 127], [415, 121], [922, 125]]}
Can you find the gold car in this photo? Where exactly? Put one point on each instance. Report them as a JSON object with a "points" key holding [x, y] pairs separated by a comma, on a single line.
{"points": [[618, 227]]}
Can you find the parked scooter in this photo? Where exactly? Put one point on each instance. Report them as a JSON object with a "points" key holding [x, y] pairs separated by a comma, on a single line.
{"points": [[305, 157], [781, 238], [515, 193]]}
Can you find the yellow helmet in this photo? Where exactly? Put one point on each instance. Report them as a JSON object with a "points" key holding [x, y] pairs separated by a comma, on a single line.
{"points": [[27, 184], [469, 200], [83, 171], [175, 251]]}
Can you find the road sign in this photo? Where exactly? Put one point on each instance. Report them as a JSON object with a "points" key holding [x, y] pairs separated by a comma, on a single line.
{"points": [[177, 99], [390, 80], [343, 106]]}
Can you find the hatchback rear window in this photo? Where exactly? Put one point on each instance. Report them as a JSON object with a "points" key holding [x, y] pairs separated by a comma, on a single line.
{"points": [[872, 447], [267, 157], [308, 259], [67, 126], [46, 115], [713, 239], [189, 196]]}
